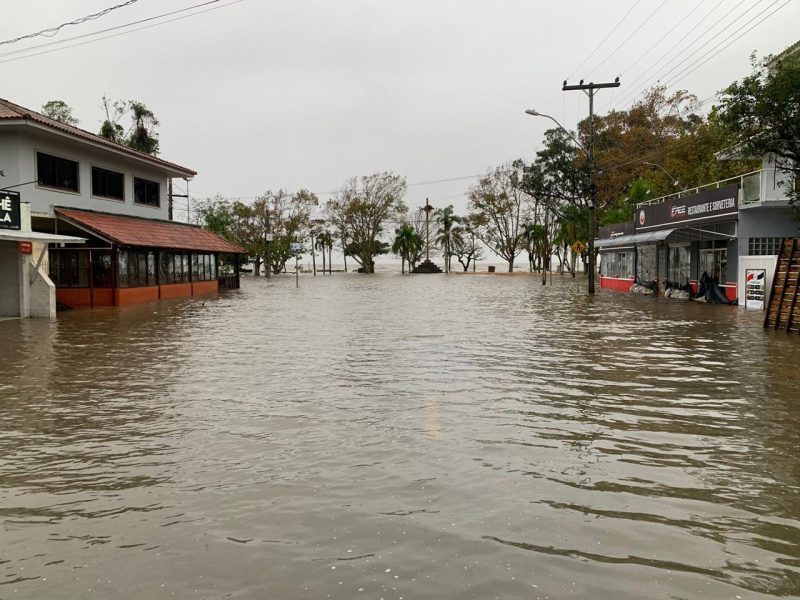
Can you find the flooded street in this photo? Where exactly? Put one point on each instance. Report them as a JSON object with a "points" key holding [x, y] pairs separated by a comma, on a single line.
{"points": [[387, 437]]}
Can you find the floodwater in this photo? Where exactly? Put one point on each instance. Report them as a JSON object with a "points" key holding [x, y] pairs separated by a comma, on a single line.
{"points": [[400, 437]]}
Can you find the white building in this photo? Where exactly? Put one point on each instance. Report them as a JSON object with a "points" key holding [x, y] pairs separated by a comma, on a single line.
{"points": [[54, 164], [75, 183]]}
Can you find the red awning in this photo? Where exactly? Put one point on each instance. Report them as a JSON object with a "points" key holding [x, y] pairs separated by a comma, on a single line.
{"points": [[150, 233]]}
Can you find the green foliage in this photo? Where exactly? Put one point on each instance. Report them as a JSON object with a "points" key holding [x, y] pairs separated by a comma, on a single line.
{"points": [[445, 218], [141, 135], [761, 114], [214, 214], [407, 243], [361, 209], [498, 202], [623, 210], [60, 111]]}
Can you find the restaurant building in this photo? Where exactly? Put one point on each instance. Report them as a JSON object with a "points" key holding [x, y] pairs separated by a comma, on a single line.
{"points": [[724, 229], [117, 201]]}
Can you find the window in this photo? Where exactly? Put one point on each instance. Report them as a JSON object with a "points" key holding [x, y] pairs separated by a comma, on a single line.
{"points": [[136, 269], [617, 264], [108, 184], [146, 192], [764, 246], [714, 261], [679, 265], [101, 269], [646, 263], [58, 173], [69, 268]]}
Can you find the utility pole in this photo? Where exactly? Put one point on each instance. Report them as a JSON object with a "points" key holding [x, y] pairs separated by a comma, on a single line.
{"points": [[589, 89], [171, 195]]}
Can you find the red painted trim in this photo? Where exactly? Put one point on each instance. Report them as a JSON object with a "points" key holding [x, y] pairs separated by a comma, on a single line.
{"points": [[204, 287], [619, 284], [176, 290], [136, 295]]}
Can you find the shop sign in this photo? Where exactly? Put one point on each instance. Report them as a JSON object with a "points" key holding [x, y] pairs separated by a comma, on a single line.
{"points": [[9, 210], [712, 206], [25, 248], [755, 288], [613, 231]]}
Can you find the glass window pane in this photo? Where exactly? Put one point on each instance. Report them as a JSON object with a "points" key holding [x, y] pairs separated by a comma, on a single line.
{"points": [[122, 268], [151, 268]]}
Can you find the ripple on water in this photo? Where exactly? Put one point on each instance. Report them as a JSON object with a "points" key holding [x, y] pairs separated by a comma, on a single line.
{"points": [[387, 436]]}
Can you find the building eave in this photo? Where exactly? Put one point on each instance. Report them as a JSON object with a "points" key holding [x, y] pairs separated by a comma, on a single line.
{"points": [[171, 169]]}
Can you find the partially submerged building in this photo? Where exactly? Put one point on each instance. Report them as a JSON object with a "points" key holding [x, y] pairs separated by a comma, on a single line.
{"points": [[724, 229], [109, 207]]}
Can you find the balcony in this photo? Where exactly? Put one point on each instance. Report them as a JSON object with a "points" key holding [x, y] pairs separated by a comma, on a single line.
{"points": [[755, 188]]}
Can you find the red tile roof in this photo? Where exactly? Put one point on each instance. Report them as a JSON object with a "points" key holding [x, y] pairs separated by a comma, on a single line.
{"points": [[150, 233], [11, 111]]}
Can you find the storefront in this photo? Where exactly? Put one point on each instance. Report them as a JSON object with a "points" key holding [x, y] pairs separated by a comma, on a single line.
{"points": [[701, 238], [681, 240], [129, 260]]}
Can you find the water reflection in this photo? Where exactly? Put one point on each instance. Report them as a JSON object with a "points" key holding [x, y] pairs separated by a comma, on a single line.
{"points": [[424, 437]]}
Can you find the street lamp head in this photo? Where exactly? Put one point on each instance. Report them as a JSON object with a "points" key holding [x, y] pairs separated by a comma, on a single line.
{"points": [[532, 111]]}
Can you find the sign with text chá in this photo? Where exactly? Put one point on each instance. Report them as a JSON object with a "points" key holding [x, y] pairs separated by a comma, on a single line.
{"points": [[755, 288], [9, 210]]}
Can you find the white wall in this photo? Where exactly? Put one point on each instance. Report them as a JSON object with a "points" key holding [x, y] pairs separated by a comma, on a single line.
{"points": [[775, 183], [18, 160]]}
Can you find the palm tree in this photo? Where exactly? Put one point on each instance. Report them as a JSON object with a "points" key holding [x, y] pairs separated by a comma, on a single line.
{"points": [[325, 243], [446, 219], [529, 237], [406, 242], [573, 228], [319, 244]]}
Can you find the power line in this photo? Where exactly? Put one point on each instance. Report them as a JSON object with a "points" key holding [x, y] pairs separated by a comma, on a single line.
{"points": [[118, 27], [634, 93], [52, 31], [625, 16], [667, 73], [674, 27], [684, 73], [627, 39], [675, 45]]}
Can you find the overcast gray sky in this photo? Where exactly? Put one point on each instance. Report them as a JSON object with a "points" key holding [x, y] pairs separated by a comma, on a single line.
{"points": [[265, 94]]}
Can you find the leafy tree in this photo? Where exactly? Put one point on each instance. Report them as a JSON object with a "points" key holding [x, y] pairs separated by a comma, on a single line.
{"points": [[288, 217], [215, 214], [360, 249], [324, 243], [573, 232], [362, 208], [141, 135], [464, 245], [498, 203], [761, 114], [445, 219], [406, 242], [529, 231], [60, 111]]}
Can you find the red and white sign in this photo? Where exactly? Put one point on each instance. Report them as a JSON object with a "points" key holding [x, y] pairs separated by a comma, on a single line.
{"points": [[25, 248]]}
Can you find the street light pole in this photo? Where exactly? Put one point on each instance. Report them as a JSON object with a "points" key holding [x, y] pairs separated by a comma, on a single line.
{"points": [[675, 182]]}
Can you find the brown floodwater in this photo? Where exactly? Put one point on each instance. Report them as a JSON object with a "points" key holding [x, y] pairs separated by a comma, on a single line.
{"points": [[400, 437]]}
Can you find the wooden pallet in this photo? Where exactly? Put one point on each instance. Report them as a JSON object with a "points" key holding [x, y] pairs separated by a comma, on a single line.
{"points": [[783, 311]]}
